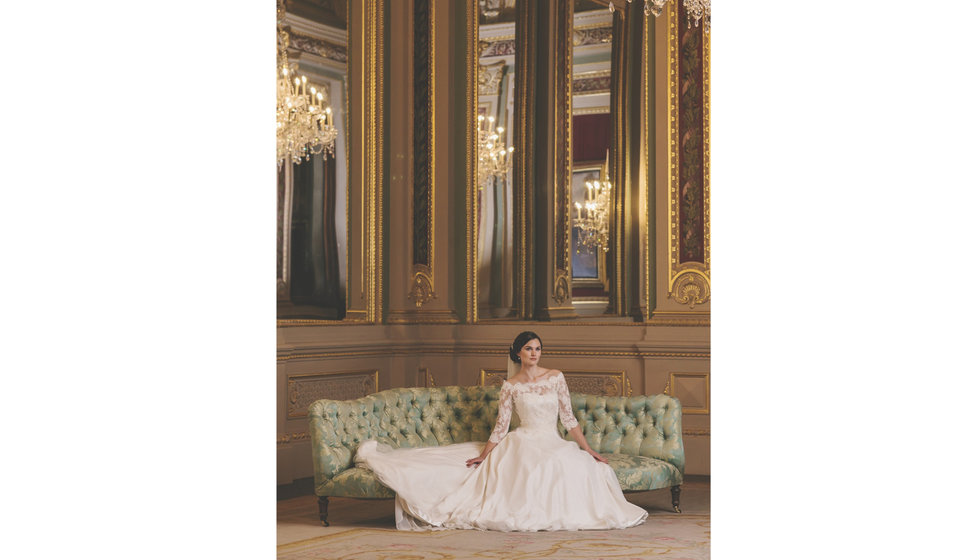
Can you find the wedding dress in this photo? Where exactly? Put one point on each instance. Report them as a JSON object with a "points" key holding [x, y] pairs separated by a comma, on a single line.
{"points": [[532, 481]]}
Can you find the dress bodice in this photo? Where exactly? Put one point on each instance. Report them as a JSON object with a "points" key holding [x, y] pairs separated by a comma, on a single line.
{"points": [[538, 403]]}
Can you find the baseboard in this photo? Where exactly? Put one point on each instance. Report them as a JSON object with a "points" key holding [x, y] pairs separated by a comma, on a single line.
{"points": [[296, 488]]}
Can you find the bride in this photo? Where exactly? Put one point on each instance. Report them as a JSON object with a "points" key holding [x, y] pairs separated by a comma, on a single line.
{"points": [[526, 480]]}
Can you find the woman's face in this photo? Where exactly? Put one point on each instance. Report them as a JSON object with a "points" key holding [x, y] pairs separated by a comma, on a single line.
{"points": [[531, 352]]}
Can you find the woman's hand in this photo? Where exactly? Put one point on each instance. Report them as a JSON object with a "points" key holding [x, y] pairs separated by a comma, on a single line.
{"points": [[598, 457], [475, 461]]}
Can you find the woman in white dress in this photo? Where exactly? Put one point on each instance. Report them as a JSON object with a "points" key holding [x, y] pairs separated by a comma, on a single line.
{"points": [[526, 480]]}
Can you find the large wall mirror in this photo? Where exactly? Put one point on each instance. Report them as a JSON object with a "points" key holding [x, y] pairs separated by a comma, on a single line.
{"points": [[312, 246], [496, 209], [591, 142], [499, 229]]}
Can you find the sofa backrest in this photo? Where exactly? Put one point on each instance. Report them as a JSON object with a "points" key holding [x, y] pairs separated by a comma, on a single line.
{"points": [[649, 426], [417, 417]]}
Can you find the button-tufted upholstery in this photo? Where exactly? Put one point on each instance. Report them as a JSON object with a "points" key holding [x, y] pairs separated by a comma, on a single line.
{"points": [[641, 436]]}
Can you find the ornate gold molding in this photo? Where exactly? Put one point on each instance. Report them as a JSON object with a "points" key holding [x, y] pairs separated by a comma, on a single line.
{"points": [[689, 282], [690, 288], [561, 291], [422, 317], [472, 56], [422, 291], [680, 319], [424, 378], [563, 150], [423, 184], [305, 388], [283, 439], [697, 432], [605, 383], [366, 76], [490, 77], [414, 350], [595, 34], [316, 46], [672, 387]]}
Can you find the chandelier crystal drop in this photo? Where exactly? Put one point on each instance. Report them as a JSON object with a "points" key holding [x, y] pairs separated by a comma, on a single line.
{"points": [[304, 125], [494, 160], [696, 11], [594, 225]]}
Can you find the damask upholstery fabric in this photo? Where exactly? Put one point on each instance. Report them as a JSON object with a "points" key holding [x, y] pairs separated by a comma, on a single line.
{"points": [[640, 435], [636, 473], [356, 482]]}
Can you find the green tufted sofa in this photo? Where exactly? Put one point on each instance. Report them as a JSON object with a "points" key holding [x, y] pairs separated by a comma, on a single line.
{"points": [[641, 436]]}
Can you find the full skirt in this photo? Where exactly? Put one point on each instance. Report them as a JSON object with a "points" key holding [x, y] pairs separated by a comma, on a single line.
{"points": [[532, 481]]}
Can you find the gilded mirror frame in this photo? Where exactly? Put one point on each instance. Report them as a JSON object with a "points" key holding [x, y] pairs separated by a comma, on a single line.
{"points": [[365, 164]]}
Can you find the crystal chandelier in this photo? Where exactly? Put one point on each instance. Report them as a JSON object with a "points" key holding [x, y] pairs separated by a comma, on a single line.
{"points": [[696, 10], [594, 226], [494, 160], [304, 125]]}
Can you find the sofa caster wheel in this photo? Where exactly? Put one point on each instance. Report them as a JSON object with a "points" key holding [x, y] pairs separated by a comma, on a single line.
{"points": [[675, 497], [321, 503]]}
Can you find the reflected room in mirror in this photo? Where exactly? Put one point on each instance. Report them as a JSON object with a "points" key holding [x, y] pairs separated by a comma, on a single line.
{"points": [[311, 251], [591, 136], [495, 199]]}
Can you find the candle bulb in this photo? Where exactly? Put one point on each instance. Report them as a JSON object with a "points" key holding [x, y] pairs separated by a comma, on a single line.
{"points": [[329, 117]]}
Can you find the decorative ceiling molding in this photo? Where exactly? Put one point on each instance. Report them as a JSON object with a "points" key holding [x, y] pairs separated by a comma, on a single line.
{"points": [[319, 47]]}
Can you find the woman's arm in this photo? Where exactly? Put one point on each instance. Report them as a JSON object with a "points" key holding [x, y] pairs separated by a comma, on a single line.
{"points": [[486, 451], [500, 428], [579, 438], [568, 419]]}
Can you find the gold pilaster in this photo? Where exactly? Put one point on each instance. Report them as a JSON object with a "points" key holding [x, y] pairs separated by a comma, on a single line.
{"points": [[689, 282]]}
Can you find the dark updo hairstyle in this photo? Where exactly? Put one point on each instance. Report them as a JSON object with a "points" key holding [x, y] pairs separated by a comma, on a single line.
{"points": [[519, 343]]}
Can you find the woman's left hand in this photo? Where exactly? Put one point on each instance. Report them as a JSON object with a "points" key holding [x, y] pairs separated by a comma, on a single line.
{"points": [[599, 458]]}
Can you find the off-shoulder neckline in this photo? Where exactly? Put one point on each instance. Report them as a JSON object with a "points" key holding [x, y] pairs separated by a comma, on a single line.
{"points": [[546, 377]]}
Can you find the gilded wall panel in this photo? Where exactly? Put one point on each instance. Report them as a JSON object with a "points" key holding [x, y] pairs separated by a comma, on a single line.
{"points": [[606, 383], [693, 390], [302, 390], [690, 248]]}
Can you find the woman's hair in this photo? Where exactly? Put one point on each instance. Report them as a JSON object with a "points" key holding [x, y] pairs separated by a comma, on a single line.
{"points": [[519, 343]]}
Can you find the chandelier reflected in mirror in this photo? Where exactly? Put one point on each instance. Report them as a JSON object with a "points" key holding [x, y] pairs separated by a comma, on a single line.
{"points": [[594, 225], [494, 160], [696, 10], [304, 124]]}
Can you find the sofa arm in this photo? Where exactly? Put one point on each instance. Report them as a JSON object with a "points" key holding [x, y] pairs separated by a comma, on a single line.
{"points": [[330, 455], [649, 426]]}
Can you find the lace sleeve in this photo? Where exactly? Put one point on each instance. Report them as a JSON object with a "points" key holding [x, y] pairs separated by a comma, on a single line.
{"points": [[565, 404], [506, 405]]}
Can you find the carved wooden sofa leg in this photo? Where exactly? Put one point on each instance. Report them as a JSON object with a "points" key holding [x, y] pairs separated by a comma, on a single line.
{"points": [[675, 498], [322, 503]]}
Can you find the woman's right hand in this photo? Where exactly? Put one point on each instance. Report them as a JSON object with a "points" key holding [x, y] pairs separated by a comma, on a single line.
{"points": [[474, 461]]}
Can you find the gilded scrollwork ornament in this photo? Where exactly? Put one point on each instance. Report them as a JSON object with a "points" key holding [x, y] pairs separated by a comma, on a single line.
{"points": [[422, 291], [691, 288], [489, 78], [561, 291]]}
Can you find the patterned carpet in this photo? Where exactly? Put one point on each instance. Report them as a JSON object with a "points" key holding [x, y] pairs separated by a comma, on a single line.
{"points": [[364, 530]]}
